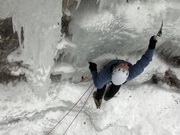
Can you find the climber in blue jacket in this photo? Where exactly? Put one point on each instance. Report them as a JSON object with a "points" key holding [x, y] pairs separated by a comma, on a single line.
{"points": [[118, 72]]}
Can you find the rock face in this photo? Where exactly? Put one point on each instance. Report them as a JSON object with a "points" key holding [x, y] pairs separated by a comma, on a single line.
{"points": [[8, 43], [168, 78], [67, 6], [170, 51]]}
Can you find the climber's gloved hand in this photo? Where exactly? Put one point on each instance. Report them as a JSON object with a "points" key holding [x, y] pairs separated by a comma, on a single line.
{"points": [[152, 42], [92, 66]]}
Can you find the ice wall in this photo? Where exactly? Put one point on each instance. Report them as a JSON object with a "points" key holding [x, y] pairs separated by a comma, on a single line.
{"points": [[97, 28], [41, 23], [120, 27]]}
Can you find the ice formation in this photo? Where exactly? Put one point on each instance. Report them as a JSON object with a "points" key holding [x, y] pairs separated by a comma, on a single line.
{"points": [[99, 30]]}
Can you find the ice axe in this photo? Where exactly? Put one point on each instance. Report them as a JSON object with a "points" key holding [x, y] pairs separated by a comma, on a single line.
{"points": [[159, 34]]}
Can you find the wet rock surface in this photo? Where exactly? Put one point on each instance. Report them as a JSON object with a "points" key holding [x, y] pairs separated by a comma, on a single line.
{"points": [[8, 43], [170, 52], [169, 78], [67, 6]]}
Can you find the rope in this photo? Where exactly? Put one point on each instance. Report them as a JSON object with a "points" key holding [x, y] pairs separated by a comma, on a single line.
{"points": [[78, 112], [69, 110]]}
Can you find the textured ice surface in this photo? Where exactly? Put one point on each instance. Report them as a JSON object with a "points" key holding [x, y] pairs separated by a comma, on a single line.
{"points": [[101, 30]]}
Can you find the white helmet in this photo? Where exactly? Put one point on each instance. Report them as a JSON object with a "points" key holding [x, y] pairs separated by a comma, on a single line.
{"points": [[119, 76]]}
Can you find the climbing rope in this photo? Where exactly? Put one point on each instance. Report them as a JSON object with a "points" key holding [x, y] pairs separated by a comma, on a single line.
{"points": [[78, 112], [70, 109]]}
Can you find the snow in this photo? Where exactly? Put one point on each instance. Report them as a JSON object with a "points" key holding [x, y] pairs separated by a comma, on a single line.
{"points": [[63, 67], [141, 109], [101, 32]]}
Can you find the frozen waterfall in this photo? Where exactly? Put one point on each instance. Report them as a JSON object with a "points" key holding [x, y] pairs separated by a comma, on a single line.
{"points": [[97, 27], [57, 39]]}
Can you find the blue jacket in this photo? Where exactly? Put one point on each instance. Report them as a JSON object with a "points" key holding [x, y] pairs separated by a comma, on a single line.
{"points": [[104, 76]]}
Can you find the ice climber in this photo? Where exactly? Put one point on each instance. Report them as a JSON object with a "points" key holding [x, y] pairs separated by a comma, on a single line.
{"points": [[118, 72]]}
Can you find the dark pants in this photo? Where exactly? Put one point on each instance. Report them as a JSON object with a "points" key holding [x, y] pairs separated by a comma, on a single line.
{"points": [[112, 90]]}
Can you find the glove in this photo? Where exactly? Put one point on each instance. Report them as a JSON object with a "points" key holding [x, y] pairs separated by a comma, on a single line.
{"points": [[92, 66], [152, 42]]}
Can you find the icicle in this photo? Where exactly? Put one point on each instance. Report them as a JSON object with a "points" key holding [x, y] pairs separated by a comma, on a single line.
{"points": [[79, 1], [17, 28]]}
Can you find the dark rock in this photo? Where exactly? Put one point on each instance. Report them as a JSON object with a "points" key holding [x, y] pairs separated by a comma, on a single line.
{"points": [[6, 28], [68, 5], [8, 43], [65, 24], [55, 78], [155, 79], [170, 51], [169, 78], [22, 35]]}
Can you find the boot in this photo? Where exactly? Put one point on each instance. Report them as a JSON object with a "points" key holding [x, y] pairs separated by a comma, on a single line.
{"points": [[97, 102]]}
